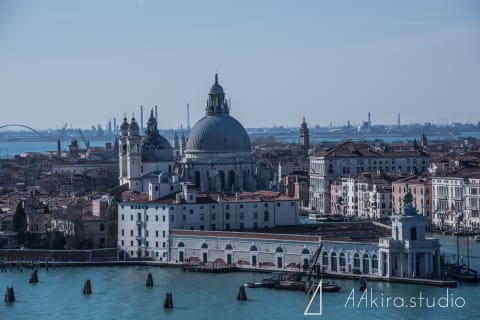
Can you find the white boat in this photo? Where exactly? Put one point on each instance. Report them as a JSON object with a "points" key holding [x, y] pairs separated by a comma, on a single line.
{"points": [[317, 217], [476, 238]]}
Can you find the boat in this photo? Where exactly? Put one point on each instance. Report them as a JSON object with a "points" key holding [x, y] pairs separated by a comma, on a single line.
{"points": [[476, 238], [462, 272]]}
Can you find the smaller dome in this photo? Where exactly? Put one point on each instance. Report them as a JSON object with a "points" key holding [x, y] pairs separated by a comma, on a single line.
{"points": [[124, 127], [216, 88], [133, 129]]}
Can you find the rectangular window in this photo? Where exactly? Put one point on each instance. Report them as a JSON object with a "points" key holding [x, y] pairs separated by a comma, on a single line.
{"points": [[156, 244], [131, 217], [123, 243], [123, 232], [131, 233], [213, 216], [227, 216], [213, 227], [227, 226], [156, 217], [163, 218], [123, 217], [163, 234], [191, 211], [164, 244], [131, 243], [156, 233], [265, 216]]}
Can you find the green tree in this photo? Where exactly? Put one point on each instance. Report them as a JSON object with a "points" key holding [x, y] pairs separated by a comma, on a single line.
{"points": [[20, 220]]}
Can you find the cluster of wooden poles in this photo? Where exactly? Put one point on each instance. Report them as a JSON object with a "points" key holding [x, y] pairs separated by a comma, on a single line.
{"points": [[87, 289], [21, 264]]}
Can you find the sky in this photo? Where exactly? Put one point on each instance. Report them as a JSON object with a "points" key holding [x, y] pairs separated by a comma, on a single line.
{"points": [[85, 62]]}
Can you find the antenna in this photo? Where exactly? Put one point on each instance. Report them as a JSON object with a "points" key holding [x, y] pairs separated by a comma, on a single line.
{"points": [[188, 119], [141, 119]]}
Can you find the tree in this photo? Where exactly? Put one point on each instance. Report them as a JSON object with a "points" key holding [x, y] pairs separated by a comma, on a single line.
{"points": [[20, 220]]}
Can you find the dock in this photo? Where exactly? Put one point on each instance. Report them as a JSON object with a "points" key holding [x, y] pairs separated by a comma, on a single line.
{"points": [[211, 267]]}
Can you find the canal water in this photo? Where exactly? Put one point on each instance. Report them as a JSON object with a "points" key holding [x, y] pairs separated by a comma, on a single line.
{"points": [[120, 293]]}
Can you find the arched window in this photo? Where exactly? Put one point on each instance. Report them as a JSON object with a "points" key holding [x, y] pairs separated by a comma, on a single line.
{"points": [[325, 258], [231, 179], [356, 262], [253, 248], [374, 261], [197, 179], [305, 251], [333, 260], [366, 264], [181, 245], [221, 177], [279, 250], [204, 245], [228, 247], [342, 260]]}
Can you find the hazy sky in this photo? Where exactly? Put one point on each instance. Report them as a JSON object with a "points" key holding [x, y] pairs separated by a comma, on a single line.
{"points": [[85, 62]]}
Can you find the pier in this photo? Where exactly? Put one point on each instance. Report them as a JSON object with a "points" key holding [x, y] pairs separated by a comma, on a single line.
{"points": [[211, 267]]}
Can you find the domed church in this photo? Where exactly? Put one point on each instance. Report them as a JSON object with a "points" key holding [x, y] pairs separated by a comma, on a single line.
{"points": [[143, 159], [218, 152]]}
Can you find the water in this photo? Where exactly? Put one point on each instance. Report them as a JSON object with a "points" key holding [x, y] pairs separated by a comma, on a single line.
{"points": [[120, 293]]}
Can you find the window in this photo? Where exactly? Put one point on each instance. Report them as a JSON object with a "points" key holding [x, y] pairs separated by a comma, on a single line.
{"points": [[265, 216], [146, 217], [123, 217], [227, 216], [241, 215], [278, 204], [227, 206], [156, 217], [163, 234], [266, 205], [241, 206], [131, 217], [123, 243], [131, 233], [156, 233], [213, 216], [227, 226], [156, 244], [172, 218], [123, 232], [163, 218], [131, 244], [164, 244], [255, 215], [191, 211]]}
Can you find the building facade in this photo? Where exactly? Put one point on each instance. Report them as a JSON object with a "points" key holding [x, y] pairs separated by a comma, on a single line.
{"points": [[349, 159]]}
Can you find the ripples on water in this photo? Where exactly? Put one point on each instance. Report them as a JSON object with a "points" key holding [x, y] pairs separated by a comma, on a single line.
{"points": [[120, 293]]}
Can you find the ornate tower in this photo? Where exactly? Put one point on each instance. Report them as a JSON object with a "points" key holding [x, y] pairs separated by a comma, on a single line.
{"points": [[122, 152], [304, 137], [134, 156]]}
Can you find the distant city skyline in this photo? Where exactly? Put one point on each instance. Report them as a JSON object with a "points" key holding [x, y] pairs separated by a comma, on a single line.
{"points": [[85, 62]]}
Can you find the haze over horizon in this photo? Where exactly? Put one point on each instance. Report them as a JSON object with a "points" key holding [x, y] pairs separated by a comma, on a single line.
{"points": [[85, 62]]}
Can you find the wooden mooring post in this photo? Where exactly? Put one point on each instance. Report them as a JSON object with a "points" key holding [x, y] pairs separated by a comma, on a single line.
{"points": [[9, 295], [149, 281], [241, 295], [34, 276], [168, 301], [87, 288]]}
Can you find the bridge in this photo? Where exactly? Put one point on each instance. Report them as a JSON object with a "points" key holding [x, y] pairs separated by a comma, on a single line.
{"points": [[22, 126]]}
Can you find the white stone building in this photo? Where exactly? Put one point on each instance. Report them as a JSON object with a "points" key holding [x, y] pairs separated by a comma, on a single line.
{"points": [[408, 253], [146, 218], [348, 159]]}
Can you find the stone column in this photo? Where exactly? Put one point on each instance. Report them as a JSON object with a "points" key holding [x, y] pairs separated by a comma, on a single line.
{"points": [[402, 267], [409, 266], [388, 265], [414, 267], [437, 255], [380, 263]]}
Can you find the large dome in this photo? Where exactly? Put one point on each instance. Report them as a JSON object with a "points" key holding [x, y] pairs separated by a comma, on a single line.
{"points": [[218, 133]]}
